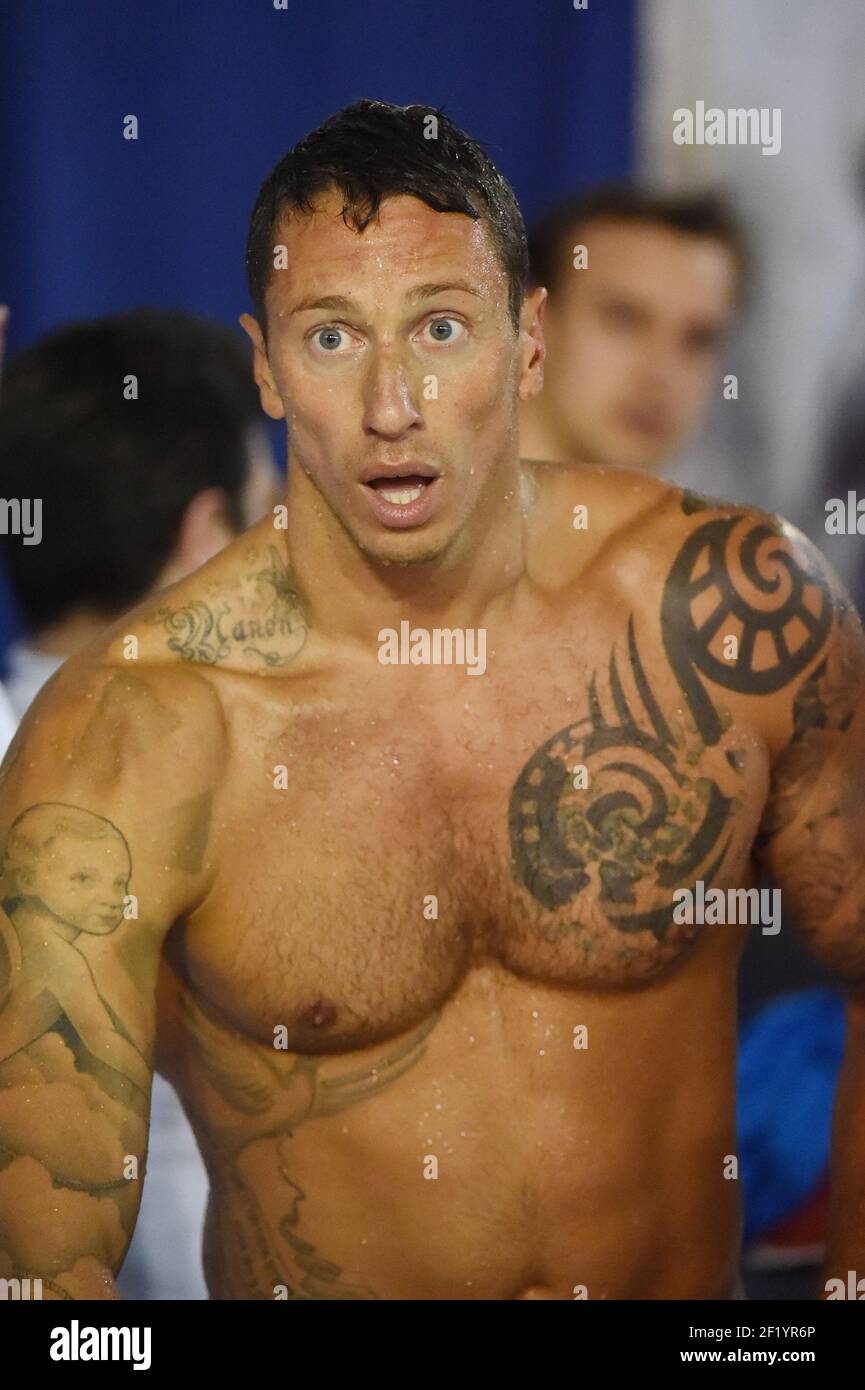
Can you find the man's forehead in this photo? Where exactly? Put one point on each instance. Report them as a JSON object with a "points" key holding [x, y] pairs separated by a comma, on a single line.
{"points": [[618, 243], [406, 239], [651, 260]]}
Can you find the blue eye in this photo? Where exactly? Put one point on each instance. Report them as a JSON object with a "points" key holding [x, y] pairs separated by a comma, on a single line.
{"points": [[333, 334], [445, 324]]}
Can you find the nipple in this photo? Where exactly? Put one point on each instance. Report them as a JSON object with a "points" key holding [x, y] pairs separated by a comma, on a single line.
{"points": [[321, 1014]]}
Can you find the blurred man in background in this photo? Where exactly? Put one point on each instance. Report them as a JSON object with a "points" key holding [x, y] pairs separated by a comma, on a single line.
{"points": [[142, 435], [643, 286]]}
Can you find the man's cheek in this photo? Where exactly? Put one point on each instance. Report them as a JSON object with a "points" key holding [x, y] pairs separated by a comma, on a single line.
{"points": [[469, 404]]}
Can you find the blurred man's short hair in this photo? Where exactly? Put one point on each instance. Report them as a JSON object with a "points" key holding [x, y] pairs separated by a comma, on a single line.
{"points": [[706, 213], [116, 475]]}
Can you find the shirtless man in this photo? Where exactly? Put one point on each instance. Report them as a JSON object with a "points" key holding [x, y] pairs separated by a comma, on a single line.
{"points": [[403, 939]]}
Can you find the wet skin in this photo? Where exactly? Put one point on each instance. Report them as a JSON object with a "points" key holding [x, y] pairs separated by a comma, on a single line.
{"points": [[403, 938]]}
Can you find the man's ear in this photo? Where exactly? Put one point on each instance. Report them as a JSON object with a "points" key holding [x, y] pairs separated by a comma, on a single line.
{"points": [[270, 401], [533, 348], [205, 529]]}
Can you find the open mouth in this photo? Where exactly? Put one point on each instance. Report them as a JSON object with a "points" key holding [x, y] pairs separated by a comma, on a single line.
{"points": [[400, 491], [403, 499]]}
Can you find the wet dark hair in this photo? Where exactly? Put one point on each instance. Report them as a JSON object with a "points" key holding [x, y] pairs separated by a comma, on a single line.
{"points": [[115, 476], [701, 214], [373, 150]]}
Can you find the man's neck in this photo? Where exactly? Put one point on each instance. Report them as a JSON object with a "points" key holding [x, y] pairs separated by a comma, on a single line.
{"points": [[541, 438], [348, 593]]}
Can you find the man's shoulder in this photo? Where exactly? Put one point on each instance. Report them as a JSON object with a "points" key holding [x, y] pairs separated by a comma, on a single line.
{"points": [[237, 614], [151, 679], [584, 512], [103, 714], [690, 542], [240, 613], [740, 600], [618, 493]]}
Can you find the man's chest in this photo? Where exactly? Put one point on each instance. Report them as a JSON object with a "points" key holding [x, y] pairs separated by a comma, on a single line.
{"points": [[371, 849]]}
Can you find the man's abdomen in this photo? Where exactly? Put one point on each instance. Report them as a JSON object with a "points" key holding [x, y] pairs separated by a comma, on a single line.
{"points": [[525, 1141]]}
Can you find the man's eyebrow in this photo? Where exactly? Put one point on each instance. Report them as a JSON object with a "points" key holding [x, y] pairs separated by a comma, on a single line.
{"points": [[325, 301], [427, 291], [341, 304]]}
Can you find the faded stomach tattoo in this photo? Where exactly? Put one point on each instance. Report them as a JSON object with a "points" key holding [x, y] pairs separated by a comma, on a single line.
{"points": [[251, 1255], [645, 823]]}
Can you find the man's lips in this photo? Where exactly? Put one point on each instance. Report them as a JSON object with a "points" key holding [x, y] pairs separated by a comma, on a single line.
{"points": [[404, 468], [402, 499]]}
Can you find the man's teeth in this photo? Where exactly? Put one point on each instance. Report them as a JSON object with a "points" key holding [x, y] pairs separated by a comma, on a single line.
{"points": [[401, 495]]}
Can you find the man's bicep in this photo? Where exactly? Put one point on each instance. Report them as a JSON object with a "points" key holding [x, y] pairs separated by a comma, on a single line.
{"points": [[76, 1034], [98, 855], [812, 834]]}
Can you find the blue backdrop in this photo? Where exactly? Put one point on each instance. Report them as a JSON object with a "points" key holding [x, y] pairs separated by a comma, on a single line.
{"points": [[95, 223]]}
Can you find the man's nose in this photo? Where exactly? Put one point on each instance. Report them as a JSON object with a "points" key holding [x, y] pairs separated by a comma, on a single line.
{"points": [[390, 395]]}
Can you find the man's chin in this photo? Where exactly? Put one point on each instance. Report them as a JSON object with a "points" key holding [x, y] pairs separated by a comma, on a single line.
{"points": [[405, 548], [413, 546]]}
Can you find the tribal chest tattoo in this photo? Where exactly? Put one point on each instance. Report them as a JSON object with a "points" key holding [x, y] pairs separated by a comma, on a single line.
{"points": [[613, 813]]}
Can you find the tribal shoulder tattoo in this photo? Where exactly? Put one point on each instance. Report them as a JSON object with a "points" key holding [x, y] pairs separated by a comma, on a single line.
{"points": [[643, 820]]}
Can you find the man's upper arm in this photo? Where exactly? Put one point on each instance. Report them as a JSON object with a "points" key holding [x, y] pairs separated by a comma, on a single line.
{"points": [[812, 833], [105, 804]]}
